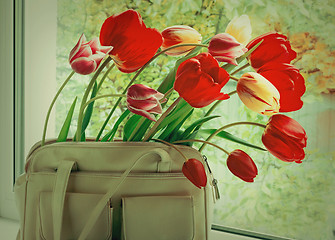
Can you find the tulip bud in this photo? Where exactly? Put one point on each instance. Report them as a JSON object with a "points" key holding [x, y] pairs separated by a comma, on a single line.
{"points": [[86, 57], [285, 138], [144, 101], [179, 34], [240, 29], [195, 172], [258, 94], [224, 48], [242, 166]]}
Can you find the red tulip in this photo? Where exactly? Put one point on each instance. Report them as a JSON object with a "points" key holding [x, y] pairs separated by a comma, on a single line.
{"points": [[195, 172], [285, 138], [224, 48], [199, 80], [144, 101], [86, 57], [242, 166], [134, 44], [274, 48], [178, 35], [288, 81]]}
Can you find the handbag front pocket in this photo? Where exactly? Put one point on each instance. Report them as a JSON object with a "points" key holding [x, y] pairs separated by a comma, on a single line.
{"points": [[77, 210], [158, 217]]}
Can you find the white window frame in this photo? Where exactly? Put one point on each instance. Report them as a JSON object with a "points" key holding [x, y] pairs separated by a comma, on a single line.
{"points": [[7, 208], [23, 106]]}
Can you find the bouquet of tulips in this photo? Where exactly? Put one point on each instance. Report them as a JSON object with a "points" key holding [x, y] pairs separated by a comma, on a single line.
{"points": [[198, 77]]}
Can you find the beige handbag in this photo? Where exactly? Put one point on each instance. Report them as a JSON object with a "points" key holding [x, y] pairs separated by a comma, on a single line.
{"points": [[117, 190]]}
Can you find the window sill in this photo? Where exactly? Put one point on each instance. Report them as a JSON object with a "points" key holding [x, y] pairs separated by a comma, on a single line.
{"points": [[9, 228]]}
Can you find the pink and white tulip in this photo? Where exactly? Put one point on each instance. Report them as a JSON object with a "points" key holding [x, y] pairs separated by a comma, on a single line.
{"points": [[86, 57], [144, 101], [224, 48]]}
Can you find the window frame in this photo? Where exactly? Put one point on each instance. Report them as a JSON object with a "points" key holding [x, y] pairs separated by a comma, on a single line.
{"points": [[7, 206]]}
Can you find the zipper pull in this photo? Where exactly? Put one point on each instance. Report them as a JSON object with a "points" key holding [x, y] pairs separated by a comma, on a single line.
{"points": [[214, 182]]}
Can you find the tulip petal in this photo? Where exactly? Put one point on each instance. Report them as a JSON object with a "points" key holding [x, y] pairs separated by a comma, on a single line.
{"points": [[199, 80], [289, 127], [285, 138], [194, 170], [283, 148], [240, 29], [76, 48], [141, 113], [142, 92], [146, 105], [242, 166], [94, 44], [84, 65], [144, 101], [274, 48], [258, 94], [179, 34], [289, 82], [133, 43]]}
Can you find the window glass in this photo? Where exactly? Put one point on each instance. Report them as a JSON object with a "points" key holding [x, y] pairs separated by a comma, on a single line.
{"points": [[286, 199]]}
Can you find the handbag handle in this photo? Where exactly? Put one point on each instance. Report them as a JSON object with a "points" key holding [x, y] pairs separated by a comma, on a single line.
{"points": [[61, 182], [58, 196]]}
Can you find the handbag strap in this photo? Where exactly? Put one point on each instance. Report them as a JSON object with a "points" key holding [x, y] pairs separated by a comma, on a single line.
{"points": [[58, 197], [165, 157]]}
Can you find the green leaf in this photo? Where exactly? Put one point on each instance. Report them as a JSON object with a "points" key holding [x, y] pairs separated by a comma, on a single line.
{"points": [[111, 133], [174, 126], [228, 67], [142, 130], [199, 122], [89, 109], [66, 125], [229, 136], [130, 126], [176, 113]]}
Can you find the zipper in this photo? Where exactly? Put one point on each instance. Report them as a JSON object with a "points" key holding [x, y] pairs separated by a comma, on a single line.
{"points": [[213, 181]]}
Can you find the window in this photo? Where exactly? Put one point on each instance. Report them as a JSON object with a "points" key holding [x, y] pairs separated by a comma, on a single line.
{"points": [[287, 199]]}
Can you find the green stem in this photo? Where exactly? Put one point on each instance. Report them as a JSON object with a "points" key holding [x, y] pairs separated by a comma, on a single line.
{"points": [[155, 126], [240, 69], [227, 126], [134, 78], [234, 78], [202, 141], [51, 106], [99, 97], [83, 101], [105, 76], [168, 93]]}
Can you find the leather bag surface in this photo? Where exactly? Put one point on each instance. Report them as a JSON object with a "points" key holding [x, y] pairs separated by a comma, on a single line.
{"points": [[115, 190]]}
